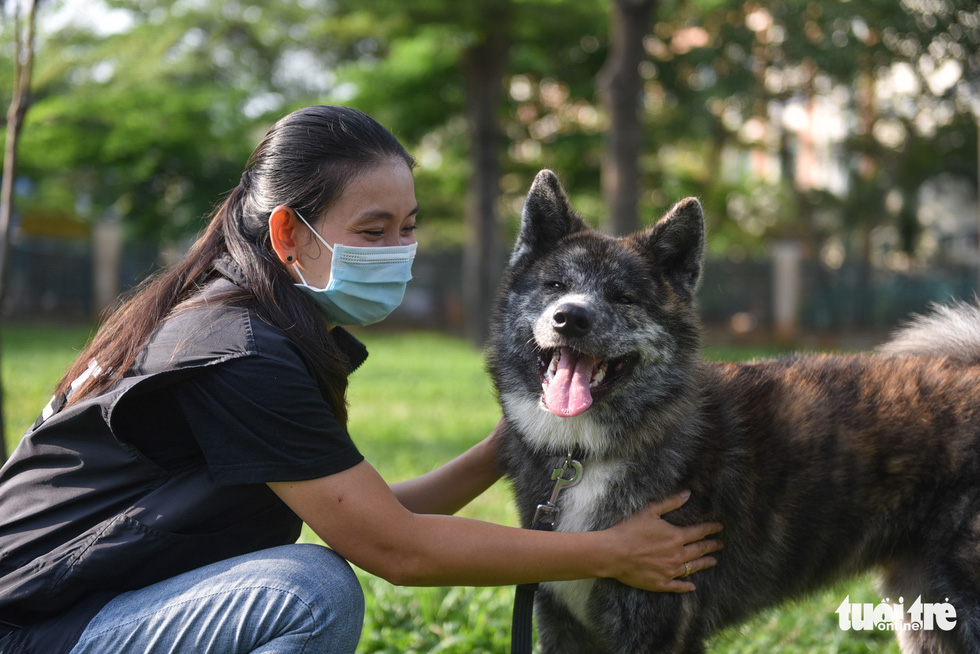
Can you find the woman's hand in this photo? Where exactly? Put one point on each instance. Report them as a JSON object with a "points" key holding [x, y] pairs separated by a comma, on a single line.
{"points": [[655, 551]]}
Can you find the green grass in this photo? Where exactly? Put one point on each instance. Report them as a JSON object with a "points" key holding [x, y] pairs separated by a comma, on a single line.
{"points": [[33, 361], [419, 400]]}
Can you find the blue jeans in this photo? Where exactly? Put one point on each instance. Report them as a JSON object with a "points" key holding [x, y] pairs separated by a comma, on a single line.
{"points": [[295, 598]]}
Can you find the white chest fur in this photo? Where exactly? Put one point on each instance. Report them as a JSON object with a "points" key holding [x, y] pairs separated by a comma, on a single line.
{"points": [[578, 506], [546, 431]]}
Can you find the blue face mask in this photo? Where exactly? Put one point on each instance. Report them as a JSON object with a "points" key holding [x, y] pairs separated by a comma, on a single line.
{"points": [[366, 283]]}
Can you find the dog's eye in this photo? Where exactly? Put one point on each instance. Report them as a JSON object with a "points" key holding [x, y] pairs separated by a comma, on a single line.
{"points": [[555, 285], [625, 299]]}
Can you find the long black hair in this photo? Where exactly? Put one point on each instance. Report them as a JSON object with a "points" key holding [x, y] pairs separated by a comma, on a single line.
{"points": [[305, 161]]}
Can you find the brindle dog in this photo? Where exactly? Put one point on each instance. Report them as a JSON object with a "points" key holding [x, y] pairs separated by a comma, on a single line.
{"points": [[819, 467]]}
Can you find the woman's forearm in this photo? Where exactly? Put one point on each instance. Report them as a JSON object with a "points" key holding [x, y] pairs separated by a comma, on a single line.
{"points": [[451, 551]]}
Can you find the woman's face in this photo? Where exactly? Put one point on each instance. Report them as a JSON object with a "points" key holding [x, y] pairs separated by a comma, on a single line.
{"points": [[378, 208]]}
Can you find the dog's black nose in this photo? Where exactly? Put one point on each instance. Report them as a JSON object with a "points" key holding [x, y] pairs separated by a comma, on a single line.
{"points": [[572, 320]]}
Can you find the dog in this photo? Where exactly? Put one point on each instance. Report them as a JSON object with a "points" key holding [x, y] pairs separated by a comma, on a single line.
{"points": [[819, 467]]}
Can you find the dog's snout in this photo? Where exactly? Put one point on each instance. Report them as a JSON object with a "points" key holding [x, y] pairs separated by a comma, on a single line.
{"points": [[572, 320]]}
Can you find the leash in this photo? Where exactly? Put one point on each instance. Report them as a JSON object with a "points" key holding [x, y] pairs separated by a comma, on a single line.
{"points": [[545, 516]]}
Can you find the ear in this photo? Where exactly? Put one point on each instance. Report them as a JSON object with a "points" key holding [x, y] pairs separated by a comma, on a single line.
{"points": [[282, 233], [675, 245], [546, 219]]}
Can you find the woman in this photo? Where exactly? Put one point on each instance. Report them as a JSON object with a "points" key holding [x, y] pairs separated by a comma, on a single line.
{"points": [[153, 506]]}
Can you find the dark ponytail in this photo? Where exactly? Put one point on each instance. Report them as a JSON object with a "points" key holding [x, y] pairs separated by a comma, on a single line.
{"points": [[305, 162]]}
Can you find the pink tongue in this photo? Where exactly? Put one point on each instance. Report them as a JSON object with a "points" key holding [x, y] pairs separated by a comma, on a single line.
{"points": [[568, 392]]}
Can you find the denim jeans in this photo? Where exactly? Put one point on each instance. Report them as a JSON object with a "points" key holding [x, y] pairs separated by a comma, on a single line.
{"points": [[295, 598]]}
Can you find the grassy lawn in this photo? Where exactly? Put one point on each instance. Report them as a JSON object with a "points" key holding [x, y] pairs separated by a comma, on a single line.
{"points": [[419, 400], [33, 361]]}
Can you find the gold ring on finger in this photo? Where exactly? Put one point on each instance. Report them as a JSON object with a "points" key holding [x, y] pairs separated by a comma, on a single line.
{"points": [[687, 569]]}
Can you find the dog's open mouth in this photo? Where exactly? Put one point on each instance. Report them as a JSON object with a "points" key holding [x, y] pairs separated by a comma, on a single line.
{"points": [[572, 380]]}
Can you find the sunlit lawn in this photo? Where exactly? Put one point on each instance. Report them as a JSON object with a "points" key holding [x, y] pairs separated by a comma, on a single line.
{"points": [[419, 400]]}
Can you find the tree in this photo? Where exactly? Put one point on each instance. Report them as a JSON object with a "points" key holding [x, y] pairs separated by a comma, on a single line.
{"points": [[619, 85], [484, 65], [894, 73], [155, 122], [23, 65]]}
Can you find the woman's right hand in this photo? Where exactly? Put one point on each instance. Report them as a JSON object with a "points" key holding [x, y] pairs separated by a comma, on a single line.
{"points": [[655, 552]]}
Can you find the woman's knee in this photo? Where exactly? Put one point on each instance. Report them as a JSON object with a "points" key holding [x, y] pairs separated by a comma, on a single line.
{"points": [[325, 582], [326, 571]]}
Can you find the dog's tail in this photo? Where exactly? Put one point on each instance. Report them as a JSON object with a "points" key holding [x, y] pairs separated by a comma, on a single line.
{"points": [[951, 331]]}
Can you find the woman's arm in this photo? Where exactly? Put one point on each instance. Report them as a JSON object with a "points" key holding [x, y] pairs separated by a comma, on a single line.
{"points": [[356, 513], [453, 485]]}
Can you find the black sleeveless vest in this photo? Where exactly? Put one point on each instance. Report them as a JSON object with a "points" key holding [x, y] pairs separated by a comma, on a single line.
{"points": [[85, 516]]}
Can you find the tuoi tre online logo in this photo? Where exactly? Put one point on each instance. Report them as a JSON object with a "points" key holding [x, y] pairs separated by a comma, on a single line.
{"points": [[886, 616]]}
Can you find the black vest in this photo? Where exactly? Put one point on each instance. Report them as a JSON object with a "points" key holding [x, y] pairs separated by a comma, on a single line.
{"points": [[85, 516]]}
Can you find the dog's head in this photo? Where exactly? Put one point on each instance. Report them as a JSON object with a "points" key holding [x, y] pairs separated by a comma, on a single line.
{"points": [[592, 333]]}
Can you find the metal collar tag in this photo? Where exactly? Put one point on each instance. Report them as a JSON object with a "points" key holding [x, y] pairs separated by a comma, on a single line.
{"points": [[546, 514]]}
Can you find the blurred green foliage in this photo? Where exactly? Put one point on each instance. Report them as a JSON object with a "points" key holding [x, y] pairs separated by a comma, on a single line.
{"points": [[151, 115]]}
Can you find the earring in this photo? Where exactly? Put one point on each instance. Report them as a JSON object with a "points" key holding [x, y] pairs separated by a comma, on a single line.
{"points": [[289, 257]]}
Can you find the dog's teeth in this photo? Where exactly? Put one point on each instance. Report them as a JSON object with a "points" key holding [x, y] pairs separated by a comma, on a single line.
{"points": [[599, 374], [553, 366]]}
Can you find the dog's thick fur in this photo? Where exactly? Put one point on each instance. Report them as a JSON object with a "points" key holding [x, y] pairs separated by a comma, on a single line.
{"points": [[818, 466]]}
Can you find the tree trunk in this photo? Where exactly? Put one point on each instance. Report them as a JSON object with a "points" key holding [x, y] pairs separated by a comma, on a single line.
{"points": [[484, 65], [23, 62], [619, 86]]}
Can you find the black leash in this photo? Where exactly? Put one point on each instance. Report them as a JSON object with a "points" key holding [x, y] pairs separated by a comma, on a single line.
{"points": [[522, 625]]}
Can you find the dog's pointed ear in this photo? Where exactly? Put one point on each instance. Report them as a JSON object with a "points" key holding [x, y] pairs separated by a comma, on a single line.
{"points": [[547, 217], [675, 245]]}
